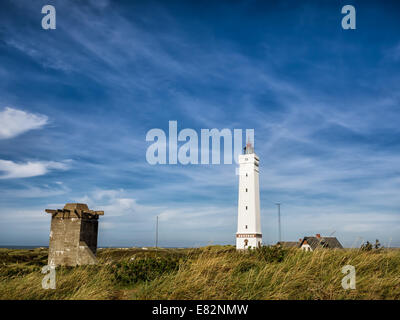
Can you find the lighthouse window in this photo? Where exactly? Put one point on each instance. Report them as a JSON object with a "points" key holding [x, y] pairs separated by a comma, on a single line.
{"points": [[246, 189], [246, 207], [246, 226], [247, 175]]}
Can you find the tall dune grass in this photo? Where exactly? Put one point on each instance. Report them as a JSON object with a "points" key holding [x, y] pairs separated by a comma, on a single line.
{"points": [[214, 272]]}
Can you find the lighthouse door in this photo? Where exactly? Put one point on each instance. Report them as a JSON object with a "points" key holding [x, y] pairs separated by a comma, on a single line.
{"points": [[246, 242]]}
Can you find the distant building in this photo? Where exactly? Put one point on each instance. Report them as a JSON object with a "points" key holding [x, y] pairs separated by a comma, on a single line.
{"points": [[312, 243], [249, 226], [289, 244], [73, 235]]}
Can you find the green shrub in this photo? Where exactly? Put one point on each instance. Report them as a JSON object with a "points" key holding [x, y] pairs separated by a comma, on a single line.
{"points": [[269, 253], [368, 246], [130, 272]]}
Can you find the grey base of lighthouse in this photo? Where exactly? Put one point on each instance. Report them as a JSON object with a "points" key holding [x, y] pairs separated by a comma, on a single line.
{"points": [[249, 224]]}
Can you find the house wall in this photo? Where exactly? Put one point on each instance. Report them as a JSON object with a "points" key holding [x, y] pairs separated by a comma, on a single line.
{"points": [[306, 247]]}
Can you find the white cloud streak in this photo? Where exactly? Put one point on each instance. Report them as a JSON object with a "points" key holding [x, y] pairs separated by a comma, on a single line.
{"points": [[14, 122], [12, 170]]}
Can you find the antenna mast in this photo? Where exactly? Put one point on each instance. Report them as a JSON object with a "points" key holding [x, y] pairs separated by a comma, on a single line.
{"points": [[157, 233], [279, 221]]}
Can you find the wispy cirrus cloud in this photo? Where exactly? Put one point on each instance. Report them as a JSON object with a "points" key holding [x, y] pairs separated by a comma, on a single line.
{"points": [[40, 191], [14, 122]]}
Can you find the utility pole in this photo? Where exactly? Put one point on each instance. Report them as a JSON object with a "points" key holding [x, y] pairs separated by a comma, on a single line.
{"points": [[279, 220], [157, 233]]}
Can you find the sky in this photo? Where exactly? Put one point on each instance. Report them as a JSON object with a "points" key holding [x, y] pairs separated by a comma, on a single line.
{"points": [[77, 102]]}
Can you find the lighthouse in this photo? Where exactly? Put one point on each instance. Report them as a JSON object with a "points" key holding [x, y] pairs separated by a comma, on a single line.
{"points": [[249, 226]]}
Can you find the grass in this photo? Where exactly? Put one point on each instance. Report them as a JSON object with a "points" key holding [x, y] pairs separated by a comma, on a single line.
{"points": [[213, 272]]}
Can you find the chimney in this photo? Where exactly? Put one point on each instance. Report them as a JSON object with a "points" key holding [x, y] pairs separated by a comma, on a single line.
{"points": [[318, 235]]}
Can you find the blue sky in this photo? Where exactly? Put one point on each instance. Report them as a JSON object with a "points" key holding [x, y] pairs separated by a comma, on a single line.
{"points": [[76, 104]]}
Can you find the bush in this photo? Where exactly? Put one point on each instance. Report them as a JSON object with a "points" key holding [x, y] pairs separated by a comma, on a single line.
{"points": [[270, 253], [368, 246], [130, 272]]}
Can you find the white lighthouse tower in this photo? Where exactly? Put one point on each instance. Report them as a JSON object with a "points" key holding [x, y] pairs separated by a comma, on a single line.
{"points": [[249, 226]]}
